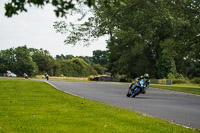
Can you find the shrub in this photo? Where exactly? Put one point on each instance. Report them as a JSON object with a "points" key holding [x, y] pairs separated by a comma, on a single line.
{"points": [[179, 76], [99, 68], [170, 76], [195, 80], [179, 81], [76, 68]]}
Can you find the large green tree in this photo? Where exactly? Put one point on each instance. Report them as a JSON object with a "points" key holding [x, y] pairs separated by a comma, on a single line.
{"points": [[18, 60], [45, 62], [100, 57], [153, 36], [7, 60]]}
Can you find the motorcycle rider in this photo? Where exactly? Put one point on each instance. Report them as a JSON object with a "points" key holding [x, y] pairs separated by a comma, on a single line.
{"points": [[146, 79], [47, 76], [25, 76]]}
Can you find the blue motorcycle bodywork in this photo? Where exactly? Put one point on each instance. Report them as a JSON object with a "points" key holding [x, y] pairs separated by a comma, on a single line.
{"points": [[137, 87]]}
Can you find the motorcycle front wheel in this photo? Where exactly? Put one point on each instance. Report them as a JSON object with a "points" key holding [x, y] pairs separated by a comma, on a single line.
{"points": [[129, 93]]}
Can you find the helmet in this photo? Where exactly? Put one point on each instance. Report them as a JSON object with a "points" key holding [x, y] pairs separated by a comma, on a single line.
{"points": [[146, 76]]}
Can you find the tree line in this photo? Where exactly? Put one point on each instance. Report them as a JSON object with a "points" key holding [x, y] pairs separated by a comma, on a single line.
{"points": [[33, 61]]}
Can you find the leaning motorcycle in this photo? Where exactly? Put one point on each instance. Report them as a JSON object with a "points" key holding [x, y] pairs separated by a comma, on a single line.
{"points": [[136, 89], [47, 76]]}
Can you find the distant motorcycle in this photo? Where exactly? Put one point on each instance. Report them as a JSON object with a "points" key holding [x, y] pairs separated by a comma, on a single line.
{"points": [[136, 89], [47, 76], [25, 76]]}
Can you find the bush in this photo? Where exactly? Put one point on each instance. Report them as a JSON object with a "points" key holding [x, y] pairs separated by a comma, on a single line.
{"points": [[170, 76], [100, 69], [175, 76], [179, 76], [195, 80], [77, 68], [179, 81]]}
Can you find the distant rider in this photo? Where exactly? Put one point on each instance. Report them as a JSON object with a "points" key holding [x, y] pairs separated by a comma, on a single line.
{"points": [[25, 76], [146, 80], [47, 76]]}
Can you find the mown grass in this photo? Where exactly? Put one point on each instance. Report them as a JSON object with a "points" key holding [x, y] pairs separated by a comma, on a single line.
{"points": [[187, 88], [33, 106]]}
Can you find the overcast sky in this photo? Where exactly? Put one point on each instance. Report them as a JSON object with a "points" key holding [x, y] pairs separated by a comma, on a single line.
{"points": [[35, 30]]}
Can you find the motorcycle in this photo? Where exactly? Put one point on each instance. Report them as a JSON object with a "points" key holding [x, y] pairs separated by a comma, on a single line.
{"points": [[47, 76], [26, 76], [136, 89]]}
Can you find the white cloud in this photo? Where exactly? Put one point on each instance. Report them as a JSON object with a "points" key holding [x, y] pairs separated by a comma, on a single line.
{"points": [[35, 29]]}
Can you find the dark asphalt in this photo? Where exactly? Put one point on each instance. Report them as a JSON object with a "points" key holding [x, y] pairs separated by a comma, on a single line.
{"points": [[180, 108]]}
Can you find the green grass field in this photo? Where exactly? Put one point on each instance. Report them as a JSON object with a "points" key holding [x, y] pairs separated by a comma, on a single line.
{"points": [[187, 88], [33, 106]]}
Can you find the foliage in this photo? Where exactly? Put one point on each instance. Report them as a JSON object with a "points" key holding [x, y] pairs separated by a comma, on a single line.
{"points": [[175, 76], [38, 61], [179, 81], [64, 57], [7, 60], [100, 69], [44, 61], [76, 67], [87, 59], [195, 80], [170, 76], [100, 57], [155, 37], [193, 68], [62, 6], [18, 60]]}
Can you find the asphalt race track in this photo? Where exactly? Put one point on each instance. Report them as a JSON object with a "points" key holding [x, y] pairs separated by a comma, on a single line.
{"points": [[180, 108]]}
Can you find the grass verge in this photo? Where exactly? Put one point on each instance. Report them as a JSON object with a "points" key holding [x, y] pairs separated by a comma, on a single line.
{"points": [[32, 106], [83, 79], [187, 88]]}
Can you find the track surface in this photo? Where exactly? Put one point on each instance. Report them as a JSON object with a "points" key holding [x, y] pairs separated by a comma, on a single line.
{"points": [[180, 108]]}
